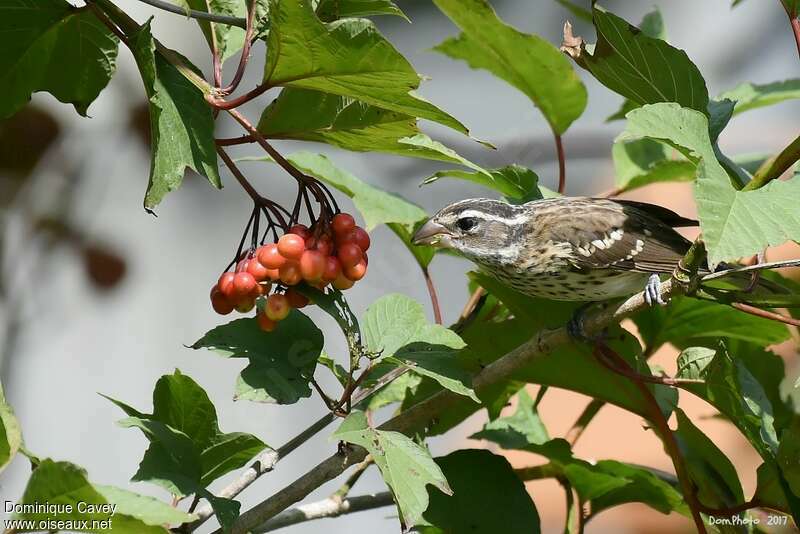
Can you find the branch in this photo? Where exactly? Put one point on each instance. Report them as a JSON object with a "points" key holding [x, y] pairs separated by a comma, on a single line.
{"points": [[773, 168], [437, 312], [420, 415], [195, 14], [766, 314], [329, 507]]}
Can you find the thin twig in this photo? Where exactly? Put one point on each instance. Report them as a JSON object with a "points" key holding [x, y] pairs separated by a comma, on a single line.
{"points": [[325, 508], [766, 314], [749, 268], [221, 103], [437, 312], [471, 308], [633, 375], [344, 490], [232, 141], [195, 14], [562, 164]]}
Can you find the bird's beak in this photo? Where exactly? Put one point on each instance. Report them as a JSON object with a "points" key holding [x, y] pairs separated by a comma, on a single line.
{"points": [[430, 233]]}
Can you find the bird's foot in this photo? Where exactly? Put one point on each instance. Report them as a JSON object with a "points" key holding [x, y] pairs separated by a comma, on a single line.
{"points": [[575, 326], [652, 291]]}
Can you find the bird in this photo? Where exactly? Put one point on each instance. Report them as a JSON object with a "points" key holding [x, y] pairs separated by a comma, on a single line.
{"points": [[565, 248]]}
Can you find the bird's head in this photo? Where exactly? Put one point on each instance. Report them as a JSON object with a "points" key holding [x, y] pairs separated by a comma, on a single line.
{"points": [[481, 229]]}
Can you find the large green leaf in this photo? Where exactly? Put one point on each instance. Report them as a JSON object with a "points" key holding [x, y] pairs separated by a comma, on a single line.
{"points": [[282, 362], [343, 122], [486, 493], [329, 10], [407, 468], [688, 320], [643, 69], [513, 181], [643, 161], [49, 45], [437, 362], [346, 57], [753, 96], [227, 39], [84, 507], [528, 62], [789, 455], [711, 472], [734, 223], [10, 433], [523, 429], [181, 122], [187, 450]]}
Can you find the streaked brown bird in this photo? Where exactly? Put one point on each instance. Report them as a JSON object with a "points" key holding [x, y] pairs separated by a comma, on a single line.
{"points": [[576, 249]]}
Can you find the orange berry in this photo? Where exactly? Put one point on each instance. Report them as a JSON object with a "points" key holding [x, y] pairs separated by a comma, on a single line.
{"points": [[290, 273], [258, 271], [342, 282], [265, 323], [225, 284], [296, 300], [291, 246], [269, 257], [220, 304], [277, 307], [243, 284], [357, 271], [312, 265]]}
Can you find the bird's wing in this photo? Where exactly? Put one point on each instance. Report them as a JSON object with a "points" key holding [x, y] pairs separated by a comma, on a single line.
{"points": [[620, 235]]}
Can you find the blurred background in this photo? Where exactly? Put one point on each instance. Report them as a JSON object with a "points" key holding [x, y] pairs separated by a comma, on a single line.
{"points": [[98, 296]]}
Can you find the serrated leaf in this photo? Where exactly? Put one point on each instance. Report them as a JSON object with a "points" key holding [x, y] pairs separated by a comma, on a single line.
{"points": [[734, 223], [104, 509], [753, 96], [502, 496], [644, 161], [281, 362], [731, 388], [407, 468], [423, 142], [49, 45], [346, 57], [330, 10], [187, 450], [710, 470], [527, 62], [181, 122], [10, 432], [438, 362], [523, 429], [513, 181], [344, 122], [643, 69]]}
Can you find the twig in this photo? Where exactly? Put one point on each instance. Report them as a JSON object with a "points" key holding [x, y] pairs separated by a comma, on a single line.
{"points": [[766, 314], [232, 141], [772, 169], [562, 164], [195, 14], [437, 312], [661, 426], [244, 57], [221, 103], [471, 309], [325, 508], [749, 268], [633, 375], [344, 490]]}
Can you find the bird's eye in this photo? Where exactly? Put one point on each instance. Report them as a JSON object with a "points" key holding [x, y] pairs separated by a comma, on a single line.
{"points": [[465, 224]]}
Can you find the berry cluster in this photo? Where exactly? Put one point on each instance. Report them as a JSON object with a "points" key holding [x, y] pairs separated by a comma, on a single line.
{"points": [[335, 254]]}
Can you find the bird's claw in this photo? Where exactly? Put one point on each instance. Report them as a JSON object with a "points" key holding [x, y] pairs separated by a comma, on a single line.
{"points": [[575, 326], [652, 291]]}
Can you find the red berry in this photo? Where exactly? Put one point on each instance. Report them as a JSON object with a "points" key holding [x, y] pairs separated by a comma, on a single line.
{"points": [[270, 258], [342, 282], [349, 254], [312, 265], [291, 246], [360, 237], [296, 300], [290, 273], [258, 271], [343, 223], [246, 304], [220, 304], [324, 245], [299, 229], [225, 284], [357, 271], [333, 269], [277, 307], [243, 284], [265, 323], [274, 274]]}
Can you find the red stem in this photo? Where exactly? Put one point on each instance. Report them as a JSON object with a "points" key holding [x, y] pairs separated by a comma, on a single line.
{"points": [[245, 56], [221, 103], [232, 141], [437, 312], [795, 21], [562, 164], [752, 310]]}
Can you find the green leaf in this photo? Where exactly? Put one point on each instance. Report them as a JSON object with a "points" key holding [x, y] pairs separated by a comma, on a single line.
{"points": [[102, 508], [423, 142], [49, 45], [688, 320], [710, 470], [187, 450], [643, 69], [228, 39], [644, 161], [347, 57], [789, 455], [10, 432], [282, 362], [527, 62], [181, 122], [513, 181], [486, 493], [438, 362], [753, 96], [734, 223], [731, 388], [580, 12], [407, 468], [330, 10], [344, 122]]}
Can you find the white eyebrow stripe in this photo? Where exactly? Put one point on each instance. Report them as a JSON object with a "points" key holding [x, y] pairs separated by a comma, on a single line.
{"points": [[491, 217]]}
